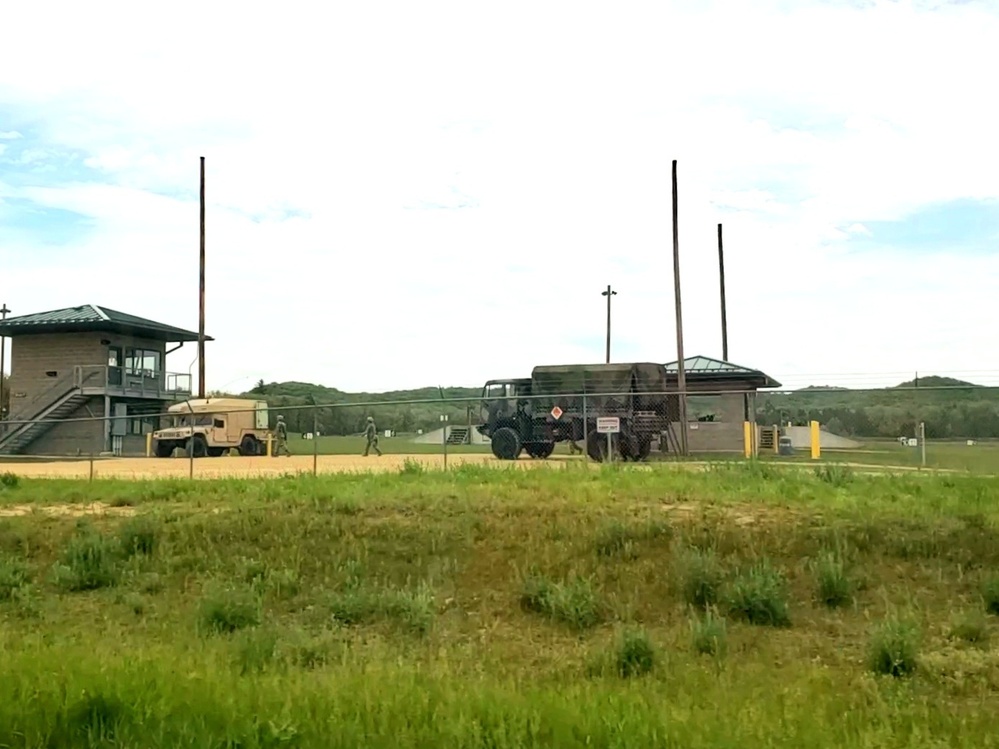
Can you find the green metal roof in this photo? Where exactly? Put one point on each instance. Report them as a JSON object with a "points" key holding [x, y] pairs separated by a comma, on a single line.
{"points": [[706, 366], [91, 317]]}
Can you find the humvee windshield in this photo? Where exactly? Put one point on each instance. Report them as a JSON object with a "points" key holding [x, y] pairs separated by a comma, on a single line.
{"points": [[201, 420]]}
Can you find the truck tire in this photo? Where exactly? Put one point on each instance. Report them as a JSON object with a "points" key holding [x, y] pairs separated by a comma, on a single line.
{"points": [[198, 445], [249, 446], [164, 449], [540, 450], [596, 446], [216, 452], [506, 444]]}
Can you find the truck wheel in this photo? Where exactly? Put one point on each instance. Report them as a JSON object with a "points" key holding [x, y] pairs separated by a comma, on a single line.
{"points": [[249, 446], [506, 444], [216, 452], [198, 445], [596, 446], [644, 447], [540, 450], [164, 449]]}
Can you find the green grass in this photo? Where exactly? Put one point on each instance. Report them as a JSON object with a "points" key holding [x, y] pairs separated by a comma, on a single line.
{"points": [[467, 609]]}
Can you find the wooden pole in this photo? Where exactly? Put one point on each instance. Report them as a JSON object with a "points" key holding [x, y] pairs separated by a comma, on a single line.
{"points": [[3, 356], [721, 276], [201, 292], [681, 374]]}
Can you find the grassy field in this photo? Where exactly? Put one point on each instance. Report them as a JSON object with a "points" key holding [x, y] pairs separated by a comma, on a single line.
{"points": [[610, 607]]}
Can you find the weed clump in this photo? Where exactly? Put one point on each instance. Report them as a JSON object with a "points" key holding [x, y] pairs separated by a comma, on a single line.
{"points": [[893, 649], [990, 592], [414, 610], [702, 575], [709, 633], [573, 602], [759, 596], [139, 536], [13, 577], [972, 628], [89, 562], [9, 480], [228, 610], [635, 655], [834, 585], [834, 475], [620, 538]]}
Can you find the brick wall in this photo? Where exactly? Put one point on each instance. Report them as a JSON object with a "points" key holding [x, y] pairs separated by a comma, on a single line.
{"points": [[74, 437]]}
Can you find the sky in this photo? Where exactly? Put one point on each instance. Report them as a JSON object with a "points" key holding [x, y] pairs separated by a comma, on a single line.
{"points": [[416, 194]]}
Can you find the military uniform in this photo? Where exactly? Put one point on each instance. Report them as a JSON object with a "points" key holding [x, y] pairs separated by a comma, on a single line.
{"points": [[371, 433], [281, 433]]}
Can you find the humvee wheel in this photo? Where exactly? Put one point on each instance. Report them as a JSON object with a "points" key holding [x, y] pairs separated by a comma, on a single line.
{"points": [[164, 449], [506, 444], [197, 446], [216, 452], [249, 446], [540, 450]]}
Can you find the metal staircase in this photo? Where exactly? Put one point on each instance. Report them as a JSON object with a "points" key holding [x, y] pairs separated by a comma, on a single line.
{"points": [[457, 436], [56, 403]]}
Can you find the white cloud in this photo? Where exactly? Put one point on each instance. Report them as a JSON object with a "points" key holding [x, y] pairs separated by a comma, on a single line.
{"points": [[373, 125]]}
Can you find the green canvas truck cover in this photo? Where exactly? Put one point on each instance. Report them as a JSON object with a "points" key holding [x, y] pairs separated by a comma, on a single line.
{"points": [[608, 386]]}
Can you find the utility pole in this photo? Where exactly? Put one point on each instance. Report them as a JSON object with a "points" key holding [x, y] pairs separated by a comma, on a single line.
{"points": [[201, 293], [721, 276], [3, 355], [608, 294], [681, 374]]}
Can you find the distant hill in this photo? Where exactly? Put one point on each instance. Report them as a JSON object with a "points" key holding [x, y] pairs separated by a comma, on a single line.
{"points": [[952, 409]]}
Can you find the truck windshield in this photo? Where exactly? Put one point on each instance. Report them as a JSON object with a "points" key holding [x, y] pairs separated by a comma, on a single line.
{"points": [[499, 390], [201, 420]]}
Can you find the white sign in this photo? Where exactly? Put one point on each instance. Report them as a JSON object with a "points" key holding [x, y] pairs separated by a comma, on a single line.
{"points": [[608, 424]]}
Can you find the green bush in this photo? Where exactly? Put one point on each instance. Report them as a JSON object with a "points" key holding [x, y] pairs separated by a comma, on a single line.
{"points": [[635, 654], [893, 649], [759, 596], [702, 576], [13, 577], [709, 634], [834, 585], [89, 562], [139, 536], [9, 480], [229, 609], [573, 602]]}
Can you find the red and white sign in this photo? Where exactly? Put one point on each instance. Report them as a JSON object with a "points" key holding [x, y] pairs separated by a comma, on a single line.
{"points": [[556, 413]]}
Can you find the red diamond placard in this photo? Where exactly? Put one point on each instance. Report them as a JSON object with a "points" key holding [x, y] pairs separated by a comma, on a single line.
{"points": [[556, 412]]}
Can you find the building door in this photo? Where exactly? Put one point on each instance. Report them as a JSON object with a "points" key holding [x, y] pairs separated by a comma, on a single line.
{"points": [[114, 365]]}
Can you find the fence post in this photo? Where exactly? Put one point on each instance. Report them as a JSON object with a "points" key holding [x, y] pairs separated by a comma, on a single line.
{"points": [[91, 466], [444, 420], [922, 442], [315, 441], [586, 435], [190, 444]]}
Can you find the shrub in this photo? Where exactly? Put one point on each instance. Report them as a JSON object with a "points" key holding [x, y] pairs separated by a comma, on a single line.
{"points": [[9, 480], [139, 536], [893, 649], [414, 610], [227, 610], [835, 475], [635, 654], [972, 628], [834, 586], [573, 602], [759, 596], [89, 562], [702, 576], [13, 577], [990, 592], [709, 633]]}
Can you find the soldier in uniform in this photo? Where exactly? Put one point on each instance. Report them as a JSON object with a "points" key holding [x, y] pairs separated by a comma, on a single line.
{"points": [[371, 432], [281, 432]]}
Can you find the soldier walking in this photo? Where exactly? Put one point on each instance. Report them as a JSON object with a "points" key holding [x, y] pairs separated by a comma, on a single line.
{"points": [[371, 432], [281, 432]]}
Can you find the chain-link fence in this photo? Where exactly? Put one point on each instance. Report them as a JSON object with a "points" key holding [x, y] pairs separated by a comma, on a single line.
{"points": [[625, 414]]}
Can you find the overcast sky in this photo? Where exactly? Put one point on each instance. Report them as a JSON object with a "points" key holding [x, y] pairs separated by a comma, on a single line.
{"points": [[410, 194]]}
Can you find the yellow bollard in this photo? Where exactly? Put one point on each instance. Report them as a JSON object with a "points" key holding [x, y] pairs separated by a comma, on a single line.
{"points": [[270, 447], [747, 438], [149, 444], [816, 441]]}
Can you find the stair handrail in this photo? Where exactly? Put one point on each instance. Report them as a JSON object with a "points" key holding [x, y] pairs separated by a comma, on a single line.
{"points": [[62, 386]]}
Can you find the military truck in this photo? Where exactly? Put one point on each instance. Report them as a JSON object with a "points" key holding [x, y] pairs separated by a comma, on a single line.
{"points": [[211, 426], [534, 414]]}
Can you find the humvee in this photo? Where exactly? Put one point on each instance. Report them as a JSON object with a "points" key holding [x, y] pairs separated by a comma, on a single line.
{"points": [[534, 414], [211, 426]]}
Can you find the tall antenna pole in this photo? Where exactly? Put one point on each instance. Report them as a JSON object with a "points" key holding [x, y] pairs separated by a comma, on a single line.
{"points": [[201, 293], [608, 294], [681, 374], [721, 276]]}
